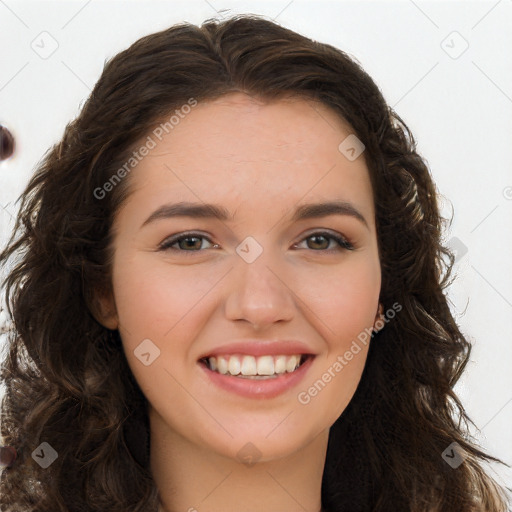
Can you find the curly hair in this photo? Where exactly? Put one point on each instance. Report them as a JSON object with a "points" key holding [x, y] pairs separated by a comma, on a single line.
{"points": [[66, 376]]}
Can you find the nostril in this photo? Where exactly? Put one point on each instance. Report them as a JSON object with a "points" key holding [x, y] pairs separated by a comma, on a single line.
{"points": [[6, 143]]}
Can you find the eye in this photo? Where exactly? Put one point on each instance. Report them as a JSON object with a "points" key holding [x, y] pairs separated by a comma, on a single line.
{"points": [[185, 242], [323, 239], [192, 242]]}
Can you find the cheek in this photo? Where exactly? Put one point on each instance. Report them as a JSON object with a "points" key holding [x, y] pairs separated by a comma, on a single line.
{"points": [[152, 299], [344, 303], [344, 300]]}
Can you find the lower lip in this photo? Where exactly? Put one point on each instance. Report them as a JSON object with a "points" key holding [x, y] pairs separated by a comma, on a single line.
{"points": [[259, 388]]}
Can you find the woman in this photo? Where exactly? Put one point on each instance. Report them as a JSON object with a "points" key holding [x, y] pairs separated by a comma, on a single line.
{"points": [[255, 370]]}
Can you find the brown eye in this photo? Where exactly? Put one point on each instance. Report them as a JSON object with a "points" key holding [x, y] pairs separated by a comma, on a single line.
{"points": [[190, 242], [185, 243], [319, 240], [323, 239]]}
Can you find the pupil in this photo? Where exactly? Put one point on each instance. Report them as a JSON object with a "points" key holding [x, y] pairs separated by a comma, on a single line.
{"points": [[189, 241], [316, 237]]}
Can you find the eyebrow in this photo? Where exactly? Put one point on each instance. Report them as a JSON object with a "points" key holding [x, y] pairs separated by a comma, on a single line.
{"points": [[214, 211]]}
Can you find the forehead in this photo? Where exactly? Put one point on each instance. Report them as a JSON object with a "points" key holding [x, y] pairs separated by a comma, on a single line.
{"points": [[239, 125], [239, 147]]}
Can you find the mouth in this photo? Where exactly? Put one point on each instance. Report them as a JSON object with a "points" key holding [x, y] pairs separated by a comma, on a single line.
{"points": [[263, 367]]}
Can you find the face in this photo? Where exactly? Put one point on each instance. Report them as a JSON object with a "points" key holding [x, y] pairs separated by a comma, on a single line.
{"points": [[248, 290]]}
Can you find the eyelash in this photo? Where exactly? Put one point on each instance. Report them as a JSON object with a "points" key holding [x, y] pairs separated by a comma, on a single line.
{"points": [[344, 244]]}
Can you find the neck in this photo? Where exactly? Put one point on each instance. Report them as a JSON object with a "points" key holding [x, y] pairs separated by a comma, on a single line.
{"points": [[192, 478]]}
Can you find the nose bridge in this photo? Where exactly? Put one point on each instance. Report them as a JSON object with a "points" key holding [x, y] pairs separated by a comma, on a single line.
{"points": [[259, 294]]}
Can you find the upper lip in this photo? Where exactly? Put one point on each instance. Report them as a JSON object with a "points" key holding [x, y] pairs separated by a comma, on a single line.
{"points": [[260, 348]]}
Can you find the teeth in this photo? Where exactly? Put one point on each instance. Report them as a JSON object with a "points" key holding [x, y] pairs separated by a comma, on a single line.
{"points": [[291, 364], [254, 366], [265, 365], [234, 366], [280, 364], [248, 366], [222, 364]]}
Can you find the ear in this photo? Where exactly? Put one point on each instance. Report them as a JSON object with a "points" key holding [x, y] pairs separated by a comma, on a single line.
{"points": [[104, 310], [378, 322]]}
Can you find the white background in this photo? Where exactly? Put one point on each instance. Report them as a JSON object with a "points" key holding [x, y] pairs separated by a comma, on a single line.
{"points": [[457, 103]]}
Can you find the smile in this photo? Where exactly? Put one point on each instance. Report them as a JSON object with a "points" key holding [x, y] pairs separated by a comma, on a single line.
{"points": [[261, 377], [247, 366]]}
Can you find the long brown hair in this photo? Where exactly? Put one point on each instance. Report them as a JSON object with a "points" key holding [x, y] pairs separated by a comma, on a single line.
{"points": [[66, 376]]}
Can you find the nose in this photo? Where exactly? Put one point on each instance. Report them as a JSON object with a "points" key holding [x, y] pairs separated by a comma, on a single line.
{"points": [[260, 294]]}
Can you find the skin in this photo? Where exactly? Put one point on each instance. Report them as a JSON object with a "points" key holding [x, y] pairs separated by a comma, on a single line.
{"points": [[260, 161]]}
